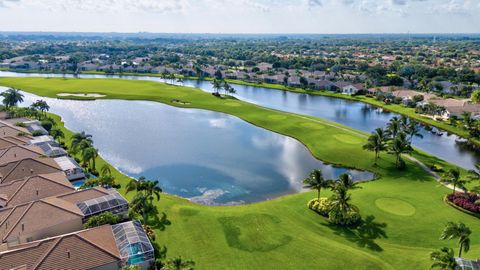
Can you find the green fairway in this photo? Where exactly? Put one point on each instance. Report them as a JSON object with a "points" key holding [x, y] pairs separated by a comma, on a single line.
{"points": [[404, 211]]}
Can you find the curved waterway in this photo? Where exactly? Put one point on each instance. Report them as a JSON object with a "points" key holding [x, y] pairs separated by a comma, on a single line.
{"points": [[208, 157], [354, 114]]}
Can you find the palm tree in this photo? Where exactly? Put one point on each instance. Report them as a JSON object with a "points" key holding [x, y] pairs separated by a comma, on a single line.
{"points": [[140, 204], [135, 185], [376, 144], [475, 173], [217, 85], [394, 127], [11, 97], [413, 130], [89, 155], [468, 120], [452, 177], [316, 182], [80, 141], [399, 146], [346, 182], [57, 134], [152, 189], [443, 259], [42, 106], [340, 204], [178, 264], [458, 230]]}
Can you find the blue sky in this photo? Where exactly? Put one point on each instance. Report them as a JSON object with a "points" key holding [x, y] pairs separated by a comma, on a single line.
{"points": [[242, 16]]}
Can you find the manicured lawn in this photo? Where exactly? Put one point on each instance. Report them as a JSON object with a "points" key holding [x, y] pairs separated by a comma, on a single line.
{"points": [[404, 210]]}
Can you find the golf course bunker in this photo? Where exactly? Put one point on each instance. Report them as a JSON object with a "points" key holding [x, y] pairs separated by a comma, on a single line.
{"points": [[395, 206], [89, 95]]}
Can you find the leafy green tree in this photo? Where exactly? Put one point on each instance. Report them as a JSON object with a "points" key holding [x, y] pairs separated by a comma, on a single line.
{"points": [[458, 230], [42, 106], [217, 86], [341, 208], [443, 259], [11, 98], [80, 141], [452, 177], [57, 134], [316, 182], [476, 96]]}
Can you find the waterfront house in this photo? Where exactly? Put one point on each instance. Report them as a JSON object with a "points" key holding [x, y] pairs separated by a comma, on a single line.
{"points": [[34, 188], [348, 88], [57, 215], [27, 167], [108, 247]]}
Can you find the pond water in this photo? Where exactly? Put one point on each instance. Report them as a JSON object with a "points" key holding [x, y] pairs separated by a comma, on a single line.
{"points": [[208, 157], [354, 114]]}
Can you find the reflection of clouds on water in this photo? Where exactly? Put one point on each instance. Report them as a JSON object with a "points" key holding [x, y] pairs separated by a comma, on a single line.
{"points": [[209, 196], [218, 122], [126, 166]]}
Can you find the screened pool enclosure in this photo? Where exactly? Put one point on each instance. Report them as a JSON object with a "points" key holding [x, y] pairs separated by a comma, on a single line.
{"points": [[133, 243]]}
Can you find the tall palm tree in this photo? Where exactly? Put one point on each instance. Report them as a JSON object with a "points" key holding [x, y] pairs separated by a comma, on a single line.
{"points": [[346, 182], [89, 155], [452, 177], [42, 106], [340, 204], [400, 145], [140, 204], [178, 264], [217, 85], [394, 127], [458, 230], [152, 189], [57, 134], [443, 259], [135, 185], [11, 97], [315, 181], [81, 141], [413, 130], [376, 144]]}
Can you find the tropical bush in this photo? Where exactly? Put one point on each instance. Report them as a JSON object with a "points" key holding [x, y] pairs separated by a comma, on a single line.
{"points": [[322, 206], [467, 201], [47, 125], [351, 217], [102, 219], [37, 133]]}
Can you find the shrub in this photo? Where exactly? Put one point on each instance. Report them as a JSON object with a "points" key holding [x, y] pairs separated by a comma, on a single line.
{"points": [[467, 201], [351, 218], [102, 219], [37, 133], [47, 125], [323, 207], [436, 168], [20, 124]]}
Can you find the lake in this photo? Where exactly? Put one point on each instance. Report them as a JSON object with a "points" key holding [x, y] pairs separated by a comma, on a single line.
{"points": [[209, 157]]}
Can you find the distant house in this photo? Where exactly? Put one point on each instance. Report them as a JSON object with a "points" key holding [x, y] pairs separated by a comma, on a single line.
{"points": [[348, 88], [108, 247], [264, 66], [408, 95], [294, 81], [455, 107], [321, 85]]}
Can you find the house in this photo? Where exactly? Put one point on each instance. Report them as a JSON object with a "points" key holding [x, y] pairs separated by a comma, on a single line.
{"points": [[455, 107], [7, 142], [294, 81], [45, 139], [10, 131], [408, 95], [70, 167], [33, 188], [323, 85], [348, 88], [264, 66], [108, 247], [19, 152], [27, 167], [57, 215], [52, 151]]}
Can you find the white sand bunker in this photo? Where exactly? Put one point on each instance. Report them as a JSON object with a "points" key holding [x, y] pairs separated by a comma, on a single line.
{"points": [[92, 95]]}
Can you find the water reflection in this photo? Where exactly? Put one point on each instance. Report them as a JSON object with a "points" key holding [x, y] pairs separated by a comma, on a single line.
{"points": [[209, 157]]}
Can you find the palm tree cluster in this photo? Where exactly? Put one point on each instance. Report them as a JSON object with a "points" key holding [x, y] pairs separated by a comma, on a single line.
{"points": [[146, 192], [342, 211], [42, 106], [444, 258], [396, 139], [82, 144], [220, 84], [106, 179]]}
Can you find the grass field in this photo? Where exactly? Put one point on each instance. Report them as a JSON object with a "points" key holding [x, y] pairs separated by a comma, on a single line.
{"points": [[404, 211]]}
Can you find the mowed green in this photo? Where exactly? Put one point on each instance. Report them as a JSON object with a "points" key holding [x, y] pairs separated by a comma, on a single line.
{"points": [[283, 233]]}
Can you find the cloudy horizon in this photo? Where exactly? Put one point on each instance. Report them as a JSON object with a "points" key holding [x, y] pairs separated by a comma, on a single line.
{"points": [[242, 16]]}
